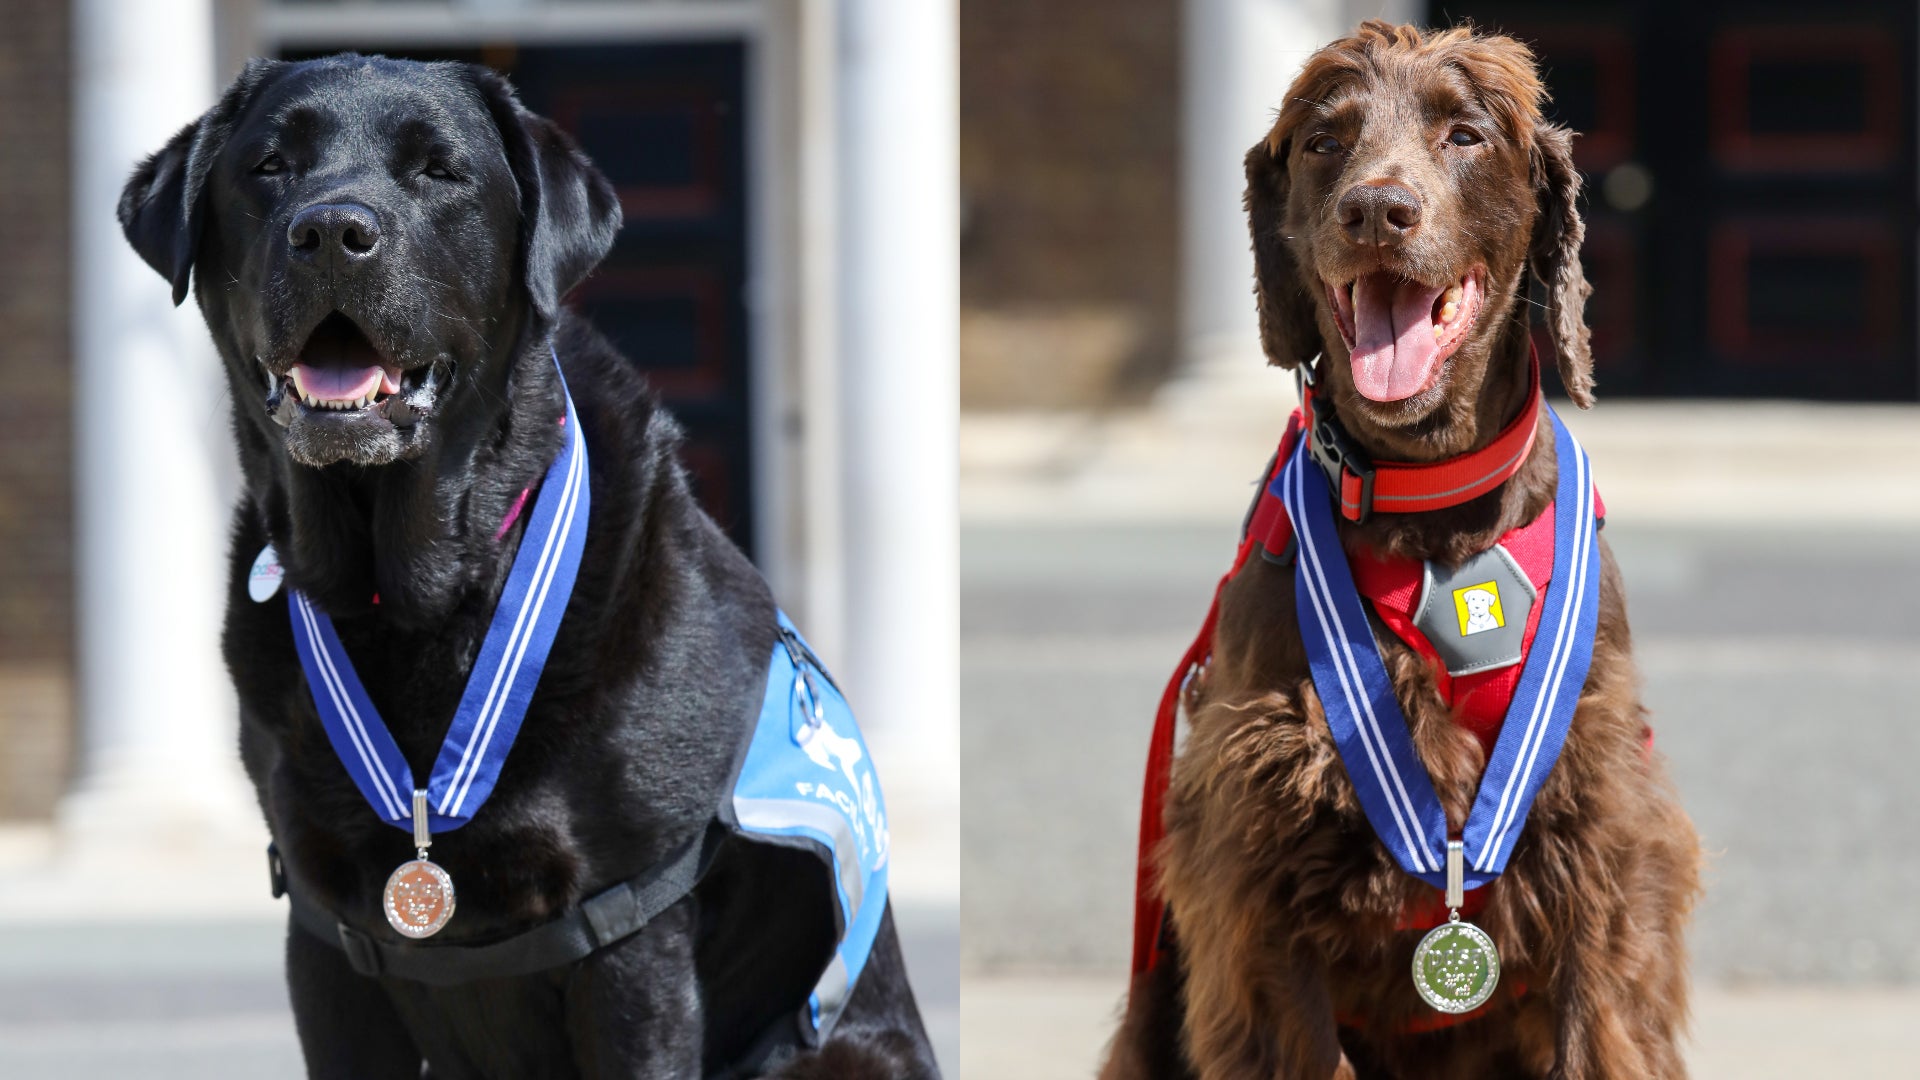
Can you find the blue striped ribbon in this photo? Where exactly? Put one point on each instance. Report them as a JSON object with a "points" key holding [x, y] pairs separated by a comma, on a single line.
{"points": [[504, 675], [1365, 718]]}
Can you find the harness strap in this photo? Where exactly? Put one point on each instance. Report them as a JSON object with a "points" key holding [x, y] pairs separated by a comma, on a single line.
{"points": [[1365, 486], [1149, 910], [597, 922]]}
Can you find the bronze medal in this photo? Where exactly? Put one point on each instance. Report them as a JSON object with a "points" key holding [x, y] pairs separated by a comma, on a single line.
{"points": [[418, 899]]}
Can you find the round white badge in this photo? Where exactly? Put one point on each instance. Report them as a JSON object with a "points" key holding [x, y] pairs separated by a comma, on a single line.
{"points": [[265, 577]]}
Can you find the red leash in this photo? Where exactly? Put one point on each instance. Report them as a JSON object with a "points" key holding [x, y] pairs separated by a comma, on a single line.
{"points": [[1148, 908]]}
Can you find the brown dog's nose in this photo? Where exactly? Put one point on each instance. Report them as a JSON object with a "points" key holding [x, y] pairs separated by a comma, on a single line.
{"points": [[1379, 213], [327, 231]]}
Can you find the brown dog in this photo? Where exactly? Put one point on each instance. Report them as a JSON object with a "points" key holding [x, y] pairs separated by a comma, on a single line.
{"points": [[1396, 208]]}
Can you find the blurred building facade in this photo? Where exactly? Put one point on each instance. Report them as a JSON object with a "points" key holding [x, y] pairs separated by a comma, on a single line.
{"points": [[36, 572], [768, 280], [1069, 165], [1751, 207]]}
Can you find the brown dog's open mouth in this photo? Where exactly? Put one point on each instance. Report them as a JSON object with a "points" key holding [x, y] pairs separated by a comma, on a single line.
{"points": [[1401, 332]]}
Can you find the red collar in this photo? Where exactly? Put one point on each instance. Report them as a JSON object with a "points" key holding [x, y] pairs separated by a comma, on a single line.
{"points": [[1392, 487]]}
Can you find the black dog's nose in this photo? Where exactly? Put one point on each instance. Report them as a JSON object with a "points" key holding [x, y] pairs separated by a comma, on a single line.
{"points": [[328, 230], [1380, 213]]}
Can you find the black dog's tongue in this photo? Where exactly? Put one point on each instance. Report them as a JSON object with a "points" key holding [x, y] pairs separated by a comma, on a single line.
{"points": [[340, 366]]}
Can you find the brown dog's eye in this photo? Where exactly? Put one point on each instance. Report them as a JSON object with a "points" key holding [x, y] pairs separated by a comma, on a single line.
{"points": [[1463, 136], [270, 164], [1323, 144]]}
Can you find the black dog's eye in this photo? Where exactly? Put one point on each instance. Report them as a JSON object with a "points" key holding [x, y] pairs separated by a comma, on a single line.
{"points": [[437, 171], [1461, 136], [1323, 144], [270, 164]]}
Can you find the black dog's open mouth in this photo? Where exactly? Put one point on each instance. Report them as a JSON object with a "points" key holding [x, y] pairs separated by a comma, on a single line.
{"points": [[339, 368], [341, 371]]}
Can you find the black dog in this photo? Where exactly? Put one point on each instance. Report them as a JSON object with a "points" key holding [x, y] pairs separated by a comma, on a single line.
{"points": [[358, 213]]}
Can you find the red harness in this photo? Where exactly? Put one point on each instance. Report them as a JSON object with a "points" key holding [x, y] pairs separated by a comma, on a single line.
{"points": [[1477, 701]]}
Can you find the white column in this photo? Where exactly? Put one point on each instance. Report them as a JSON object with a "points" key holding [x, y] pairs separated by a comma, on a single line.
{"points": [[820, 474], [1240, 55], [899, 336], [158, 764]]}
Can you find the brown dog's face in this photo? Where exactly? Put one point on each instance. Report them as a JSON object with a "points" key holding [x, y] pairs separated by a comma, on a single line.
{"points": [[1395, 205]]}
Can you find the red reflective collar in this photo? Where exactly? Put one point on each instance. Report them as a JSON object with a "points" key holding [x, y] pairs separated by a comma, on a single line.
{"points": [[1390, 487]]}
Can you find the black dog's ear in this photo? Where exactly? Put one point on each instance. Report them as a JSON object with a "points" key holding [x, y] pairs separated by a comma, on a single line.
{"points": [[1288, 332], [1557, 235], [160, 217], [569, 213], [162, 208]]}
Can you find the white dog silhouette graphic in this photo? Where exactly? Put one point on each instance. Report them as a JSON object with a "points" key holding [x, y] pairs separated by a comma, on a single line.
{"points": [[1479, 611], [825, 745]]}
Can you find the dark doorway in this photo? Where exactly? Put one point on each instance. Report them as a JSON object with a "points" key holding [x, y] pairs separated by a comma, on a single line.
{"points": [[667, 124], [1751, 189]]}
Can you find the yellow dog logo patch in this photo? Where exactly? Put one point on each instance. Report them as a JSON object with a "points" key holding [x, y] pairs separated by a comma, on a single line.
{"points": [[1478, 607]]}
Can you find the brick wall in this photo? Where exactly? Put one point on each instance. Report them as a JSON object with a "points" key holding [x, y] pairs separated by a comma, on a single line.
{"points": [[1069, 159], [36, 533]]}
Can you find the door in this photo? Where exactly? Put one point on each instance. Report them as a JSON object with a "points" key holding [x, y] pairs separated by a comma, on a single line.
{"points": [[1751, 189]]}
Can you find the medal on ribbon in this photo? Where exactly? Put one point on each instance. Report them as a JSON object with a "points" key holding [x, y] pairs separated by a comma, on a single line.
{"points": [[1456, 966], [419, 897]]}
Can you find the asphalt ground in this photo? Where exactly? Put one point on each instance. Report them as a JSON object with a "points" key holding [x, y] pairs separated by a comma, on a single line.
{"points": [[205, 1000], [1028, 1028], [1779, 661]]}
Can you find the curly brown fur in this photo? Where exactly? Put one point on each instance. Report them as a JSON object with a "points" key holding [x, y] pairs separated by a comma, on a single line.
{"points": [[1284, 907]]}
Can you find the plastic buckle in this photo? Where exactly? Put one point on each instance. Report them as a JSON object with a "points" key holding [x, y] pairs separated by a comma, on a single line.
{"points": [[361, 951], [1337, 455], [276, 872]]}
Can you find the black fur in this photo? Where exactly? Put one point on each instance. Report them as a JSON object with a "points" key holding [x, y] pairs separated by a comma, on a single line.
{"points": [[659, 664]]}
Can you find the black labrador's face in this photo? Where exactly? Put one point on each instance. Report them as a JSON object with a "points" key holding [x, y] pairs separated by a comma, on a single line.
{"points": [[362, 227], [370, 240]]}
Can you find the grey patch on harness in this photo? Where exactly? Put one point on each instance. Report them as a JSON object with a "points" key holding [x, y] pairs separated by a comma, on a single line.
{"points": [[1475, 614]]}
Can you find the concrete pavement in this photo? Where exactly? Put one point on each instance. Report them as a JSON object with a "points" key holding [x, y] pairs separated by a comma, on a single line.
{"points": [[1052, 1028], [206, 999], [167, 964]]}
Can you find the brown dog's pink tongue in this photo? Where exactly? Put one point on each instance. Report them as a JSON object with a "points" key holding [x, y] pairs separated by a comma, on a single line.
{"points": [[1394, 354]]}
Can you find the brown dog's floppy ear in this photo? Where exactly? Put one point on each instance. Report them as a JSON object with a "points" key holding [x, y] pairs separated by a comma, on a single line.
{"points": [[1287, 330], [163, 207], [1558, 233], [569, 212]]}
